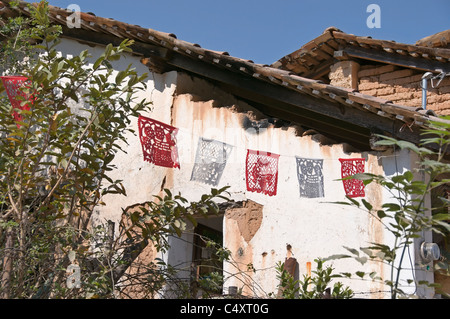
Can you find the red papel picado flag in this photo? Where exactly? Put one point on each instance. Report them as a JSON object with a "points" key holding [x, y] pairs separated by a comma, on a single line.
{"points": [[158, 142], [262, 172], [349, 167], [14, 89]]}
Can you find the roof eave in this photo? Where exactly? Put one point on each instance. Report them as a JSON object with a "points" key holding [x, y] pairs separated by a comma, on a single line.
{"points": [[306, 98]]}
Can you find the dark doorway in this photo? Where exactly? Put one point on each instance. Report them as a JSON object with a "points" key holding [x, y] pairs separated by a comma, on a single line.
{"points": [[208, 267]]}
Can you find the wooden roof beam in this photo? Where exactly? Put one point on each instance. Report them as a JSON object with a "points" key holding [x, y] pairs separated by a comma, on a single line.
{"points": [[393, 58], [96, 38], [315, 109]]}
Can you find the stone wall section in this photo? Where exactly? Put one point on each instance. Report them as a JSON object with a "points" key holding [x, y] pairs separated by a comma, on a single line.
{"points": [[396, 84], [403, 86]]}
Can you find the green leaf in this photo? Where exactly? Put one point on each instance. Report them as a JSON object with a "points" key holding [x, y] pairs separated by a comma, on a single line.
{"points": [[441, 216], [342, 203], [443, 224], [392, 207], [398, 179], [373, 275], [168, 192], [367, 251], [367, 204], [409, 176], [192, 220], [381, 214], [352, 250], [98, 62], [354, 201], [337, 256], [362, 260], [386, 141], [120, 76]]}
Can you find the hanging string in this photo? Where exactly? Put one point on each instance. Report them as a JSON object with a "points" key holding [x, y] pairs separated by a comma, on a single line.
{"points": [[244, 149], [261, 166]]}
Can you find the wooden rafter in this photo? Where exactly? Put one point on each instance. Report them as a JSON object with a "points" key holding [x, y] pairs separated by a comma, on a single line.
{"points": [[351, 124], [417, 63]]}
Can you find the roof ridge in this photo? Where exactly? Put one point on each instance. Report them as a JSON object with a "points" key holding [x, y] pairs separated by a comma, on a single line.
{"points": [[273, 74]]}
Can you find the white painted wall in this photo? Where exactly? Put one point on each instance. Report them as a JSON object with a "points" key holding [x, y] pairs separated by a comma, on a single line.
{"points": [[131, 168], [313, 227]]}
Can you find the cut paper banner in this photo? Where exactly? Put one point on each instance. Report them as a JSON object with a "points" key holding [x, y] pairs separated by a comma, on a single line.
{"points": [[158, 142], [310, 177], [262, 172], [210, 161], [349, 167], [13, 86]]}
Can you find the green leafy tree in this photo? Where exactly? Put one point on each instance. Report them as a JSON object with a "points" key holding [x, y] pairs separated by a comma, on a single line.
{"points": [[151, 224], [55, 161], [54, 170], [316, 286]]}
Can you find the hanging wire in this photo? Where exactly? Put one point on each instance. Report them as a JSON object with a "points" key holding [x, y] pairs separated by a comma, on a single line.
{"points": [[191, 134]]}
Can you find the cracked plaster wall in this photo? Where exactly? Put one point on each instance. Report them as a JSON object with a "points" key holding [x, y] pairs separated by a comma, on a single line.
{"points": [[257, 237], [312, 228]]}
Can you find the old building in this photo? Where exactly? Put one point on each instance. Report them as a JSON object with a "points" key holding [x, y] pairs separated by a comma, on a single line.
{"points": [[385, 69], [298, 124]]}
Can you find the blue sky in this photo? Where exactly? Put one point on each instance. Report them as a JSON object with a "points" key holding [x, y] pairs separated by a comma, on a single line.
{"points": [[266, 30]]}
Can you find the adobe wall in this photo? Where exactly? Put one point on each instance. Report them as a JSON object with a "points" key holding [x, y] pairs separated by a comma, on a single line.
{"points": [[258, 238], [257, 235], [399, 85]]}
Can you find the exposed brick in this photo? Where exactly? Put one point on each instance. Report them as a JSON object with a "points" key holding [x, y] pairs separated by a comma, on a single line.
{"points": [[394, 98], [369, 86], [444, 106], [390, 97], [405, 95], [385, 91], [412, 86], [369, 92], [403, 87], [396, 74], [406, 80], [369, 79], [417, 96], [432, 107], [409, 102], [377, 70], [344, 74], [438, 107], [408, 88], [442, 98]]}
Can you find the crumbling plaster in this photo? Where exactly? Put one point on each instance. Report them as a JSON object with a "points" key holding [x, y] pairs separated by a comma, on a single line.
{"points": [[313, 227]]}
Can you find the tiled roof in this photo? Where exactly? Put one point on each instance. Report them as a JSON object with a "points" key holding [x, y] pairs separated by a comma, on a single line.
{"points": [[438, 40], [316, 55], [315, 50]]}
